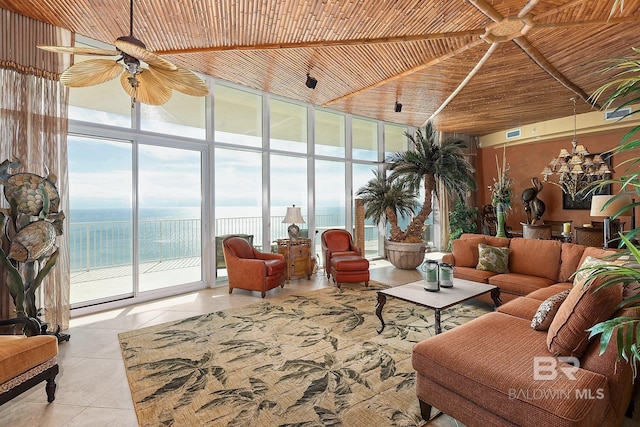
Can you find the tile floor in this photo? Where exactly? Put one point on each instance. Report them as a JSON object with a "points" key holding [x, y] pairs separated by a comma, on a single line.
{"points": [[92, 386]]}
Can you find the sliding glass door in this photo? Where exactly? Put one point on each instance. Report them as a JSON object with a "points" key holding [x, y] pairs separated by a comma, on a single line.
{"points": [[169, 217], [135, 227], [100, 219]]}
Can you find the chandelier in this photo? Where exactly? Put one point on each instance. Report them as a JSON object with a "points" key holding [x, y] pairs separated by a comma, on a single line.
{"points": [[576, 169]]}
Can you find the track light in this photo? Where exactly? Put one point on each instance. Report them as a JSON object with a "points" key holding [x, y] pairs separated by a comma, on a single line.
{"points": [[398, 107], [311, 82]]}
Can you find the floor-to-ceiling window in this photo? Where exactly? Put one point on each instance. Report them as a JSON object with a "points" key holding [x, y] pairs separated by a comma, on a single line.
{"points": [[229, 163], [288, 133], [238, 173]]}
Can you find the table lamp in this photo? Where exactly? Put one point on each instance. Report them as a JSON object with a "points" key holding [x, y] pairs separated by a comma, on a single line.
{"points": [[293, 216], [618, 203]]}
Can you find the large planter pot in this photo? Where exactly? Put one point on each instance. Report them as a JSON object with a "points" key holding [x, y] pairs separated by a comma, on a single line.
{"points": [[405, 256]]}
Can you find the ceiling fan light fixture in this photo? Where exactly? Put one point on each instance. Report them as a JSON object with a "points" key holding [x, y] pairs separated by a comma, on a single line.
{"points": [[398, 107], [311, 82]]}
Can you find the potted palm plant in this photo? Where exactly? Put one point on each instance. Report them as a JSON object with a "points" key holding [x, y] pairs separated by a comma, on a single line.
{"points": [[427, 163], [625, 90]]}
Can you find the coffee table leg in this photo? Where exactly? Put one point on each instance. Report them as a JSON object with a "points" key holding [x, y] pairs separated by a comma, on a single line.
{"points": [[437, 316], [495, 296], [382, 299]]}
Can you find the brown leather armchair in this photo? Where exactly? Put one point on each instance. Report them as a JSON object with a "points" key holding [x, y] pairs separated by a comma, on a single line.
{"points": [[337, 242], [342, 259], [250, 269], [26, 361]]}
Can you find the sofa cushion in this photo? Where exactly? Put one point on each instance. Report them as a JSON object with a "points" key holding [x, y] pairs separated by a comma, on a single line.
{"points": [[596, 253], [495, 370], [522, 307], [465, 251], [569, 260], [583, 308], [547, 311], [519, 284], [498, 242], [491, 258], [539, 258], [544, 293], [473, 274]]}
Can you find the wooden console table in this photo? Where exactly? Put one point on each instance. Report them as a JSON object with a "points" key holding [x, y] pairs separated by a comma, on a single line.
{"points": [[297, 255]]}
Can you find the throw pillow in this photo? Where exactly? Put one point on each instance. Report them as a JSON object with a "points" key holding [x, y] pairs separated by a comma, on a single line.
{"points": [[584, 307], [493, 259], [586, 268], [547, 311]]}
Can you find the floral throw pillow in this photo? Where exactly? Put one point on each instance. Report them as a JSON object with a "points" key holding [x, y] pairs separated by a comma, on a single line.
{"points": [[493, 259], [547, 310], [586, 268]]}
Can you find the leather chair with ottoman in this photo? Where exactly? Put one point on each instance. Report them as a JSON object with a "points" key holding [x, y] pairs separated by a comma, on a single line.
{"points": [[342, 259]]}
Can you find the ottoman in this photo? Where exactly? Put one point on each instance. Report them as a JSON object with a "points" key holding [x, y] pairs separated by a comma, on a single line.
{"points": [[349, 269]]}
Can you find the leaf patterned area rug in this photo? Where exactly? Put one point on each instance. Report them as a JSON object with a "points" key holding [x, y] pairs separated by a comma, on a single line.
{"points": [[306, 360]]}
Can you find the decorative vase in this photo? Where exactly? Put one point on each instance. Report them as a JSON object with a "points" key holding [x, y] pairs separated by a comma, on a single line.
{"points": [[500, 214], [431, 279], [445, 275]]}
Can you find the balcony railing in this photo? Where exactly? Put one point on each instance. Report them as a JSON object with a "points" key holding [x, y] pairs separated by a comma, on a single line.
{"points": [[97, 245]]}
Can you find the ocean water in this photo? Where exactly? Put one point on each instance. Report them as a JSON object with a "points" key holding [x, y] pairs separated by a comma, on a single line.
{"points": [[102, 238], [124, 214]]}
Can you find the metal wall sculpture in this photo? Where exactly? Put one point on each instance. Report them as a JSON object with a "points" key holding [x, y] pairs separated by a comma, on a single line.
{"points": [[30, 225]]}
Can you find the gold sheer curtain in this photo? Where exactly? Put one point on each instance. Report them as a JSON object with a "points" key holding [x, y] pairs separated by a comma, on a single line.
{"points": [[444, 201], [33, 127]]}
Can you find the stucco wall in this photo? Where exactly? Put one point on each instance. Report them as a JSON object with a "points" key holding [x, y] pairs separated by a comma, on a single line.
{"points": [[528, 160]]}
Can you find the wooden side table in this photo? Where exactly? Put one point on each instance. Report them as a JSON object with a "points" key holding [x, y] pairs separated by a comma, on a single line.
{"points": [[297, 255]]}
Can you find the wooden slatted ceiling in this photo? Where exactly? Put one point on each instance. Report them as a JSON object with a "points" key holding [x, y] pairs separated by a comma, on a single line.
{"points": [[508, 91]]}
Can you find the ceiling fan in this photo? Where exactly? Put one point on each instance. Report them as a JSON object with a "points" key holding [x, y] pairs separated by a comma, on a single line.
{"points": [[152, 85]]}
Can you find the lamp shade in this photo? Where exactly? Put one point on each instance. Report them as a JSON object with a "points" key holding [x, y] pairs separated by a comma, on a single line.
{"points": [[293, 216], [619, 201]]}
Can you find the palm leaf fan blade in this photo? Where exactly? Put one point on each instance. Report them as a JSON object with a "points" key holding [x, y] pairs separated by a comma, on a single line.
{"points": [[148, 89], [181, 80], [91, 72], [80, 50], [143, 54]]}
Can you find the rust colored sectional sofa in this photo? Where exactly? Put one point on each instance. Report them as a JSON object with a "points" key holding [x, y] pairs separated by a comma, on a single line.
{"points": [[497, 370], [533, 264]]}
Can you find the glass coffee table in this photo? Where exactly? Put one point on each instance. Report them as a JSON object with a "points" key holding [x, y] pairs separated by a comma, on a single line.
{"points": [[414, 292]]}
